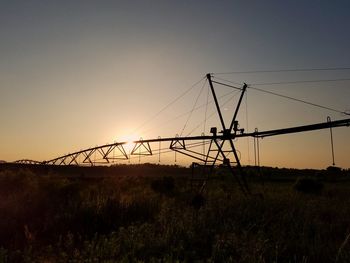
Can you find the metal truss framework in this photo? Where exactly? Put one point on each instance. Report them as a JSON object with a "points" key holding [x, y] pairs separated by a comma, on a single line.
{"points": [[221, 144], [27, 161], [97, 155]]}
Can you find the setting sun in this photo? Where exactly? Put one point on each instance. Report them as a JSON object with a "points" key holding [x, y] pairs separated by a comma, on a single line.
{"points": [[129, 142]]}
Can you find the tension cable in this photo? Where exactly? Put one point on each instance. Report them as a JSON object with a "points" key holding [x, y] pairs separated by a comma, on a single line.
{"points": [[299, 100], [194, 107], [284, 70]]}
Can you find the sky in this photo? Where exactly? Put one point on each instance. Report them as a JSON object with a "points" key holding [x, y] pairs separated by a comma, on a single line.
{"points": [[76, 74]]}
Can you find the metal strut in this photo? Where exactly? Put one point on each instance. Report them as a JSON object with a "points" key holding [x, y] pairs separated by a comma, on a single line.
{"points": [[332, 145], [227, 135]]}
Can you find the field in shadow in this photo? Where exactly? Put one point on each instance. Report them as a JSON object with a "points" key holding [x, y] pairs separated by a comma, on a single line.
{"points": [[145, 213]]}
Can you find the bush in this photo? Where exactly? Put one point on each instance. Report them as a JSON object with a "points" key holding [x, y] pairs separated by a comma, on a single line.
{"points": [[164, 185], [308, 185], [334, 170]]}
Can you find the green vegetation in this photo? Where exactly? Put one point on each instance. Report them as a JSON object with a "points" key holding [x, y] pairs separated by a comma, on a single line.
{"points": [[146, 214]]}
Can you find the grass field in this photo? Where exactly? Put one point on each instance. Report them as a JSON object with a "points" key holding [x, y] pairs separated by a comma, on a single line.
{"points": [[145, 213]]}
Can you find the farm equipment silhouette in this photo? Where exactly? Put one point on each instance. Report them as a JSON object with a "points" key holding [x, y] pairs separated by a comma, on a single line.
{"points": [[221, 149]]}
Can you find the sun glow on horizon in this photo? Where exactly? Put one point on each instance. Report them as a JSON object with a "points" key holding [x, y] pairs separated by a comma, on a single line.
{"points": [[129, 141]]}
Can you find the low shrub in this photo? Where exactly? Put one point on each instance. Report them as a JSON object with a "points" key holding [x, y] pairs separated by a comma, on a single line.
{"points": [[308, 185], [165, 185]]}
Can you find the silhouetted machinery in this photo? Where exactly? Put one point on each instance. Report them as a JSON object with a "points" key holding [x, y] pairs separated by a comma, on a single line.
{"points": [[221, 150]]}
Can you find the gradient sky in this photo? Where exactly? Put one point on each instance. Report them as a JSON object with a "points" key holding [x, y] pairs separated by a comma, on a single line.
{"points": [[75, 74]]}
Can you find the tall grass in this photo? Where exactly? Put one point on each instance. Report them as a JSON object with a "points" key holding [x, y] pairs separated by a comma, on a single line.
{"points": [[58, 218]]}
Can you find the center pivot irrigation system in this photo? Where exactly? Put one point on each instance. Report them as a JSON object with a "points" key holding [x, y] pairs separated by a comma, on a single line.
{"points": [[221, 149]]}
